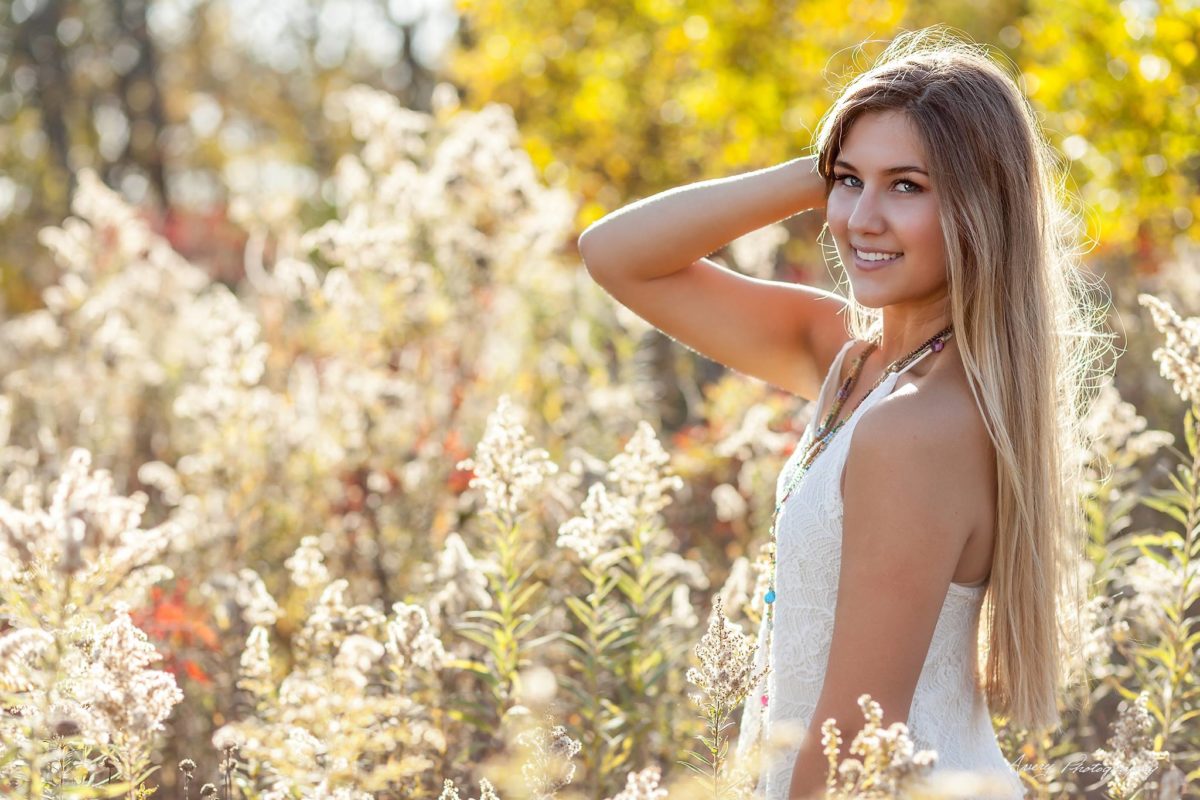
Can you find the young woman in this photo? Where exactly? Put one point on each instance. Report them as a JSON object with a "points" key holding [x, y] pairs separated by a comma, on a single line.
{"points": [[937, 482]]}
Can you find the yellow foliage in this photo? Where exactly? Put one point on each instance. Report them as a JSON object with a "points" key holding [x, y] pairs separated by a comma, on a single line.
{"points": [[664, 92]]}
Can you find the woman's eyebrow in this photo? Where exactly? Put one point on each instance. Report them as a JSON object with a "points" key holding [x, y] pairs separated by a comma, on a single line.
{"points": [[888, 171]]}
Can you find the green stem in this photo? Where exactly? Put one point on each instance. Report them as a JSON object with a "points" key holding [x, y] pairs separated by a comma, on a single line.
{"points": [[1179, 633], [595, 708], [508, 652]]}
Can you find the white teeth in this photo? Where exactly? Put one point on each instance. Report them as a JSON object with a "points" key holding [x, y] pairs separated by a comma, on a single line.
{"points": [[865, 256]]}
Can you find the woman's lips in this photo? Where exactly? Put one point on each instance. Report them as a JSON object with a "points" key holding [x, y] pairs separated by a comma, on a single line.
{"points": [[871, 265]]}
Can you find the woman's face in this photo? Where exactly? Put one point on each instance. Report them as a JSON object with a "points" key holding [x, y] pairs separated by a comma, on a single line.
{"points": [[872, 210]]}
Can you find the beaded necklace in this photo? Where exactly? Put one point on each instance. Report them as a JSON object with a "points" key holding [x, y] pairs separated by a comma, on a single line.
{"points": [[824, 433]]}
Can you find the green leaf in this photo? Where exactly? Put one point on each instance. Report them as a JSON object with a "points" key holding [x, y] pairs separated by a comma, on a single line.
{"points": [[544, 639], [474, 667], [474, 720], [659, 672], [1170, 539], [581, 611], [491, 616], [1165, 561], [1185, 716], [146, 774], [529, 570], [1189, 432], [524, 595], [1168, 506], [612, 708], [529, 623], [1184, 487], [488, 640], [617, 639], [576, 642], [112, 789], [1128, 694], [613, 724], [630, 589], [606, 588]]}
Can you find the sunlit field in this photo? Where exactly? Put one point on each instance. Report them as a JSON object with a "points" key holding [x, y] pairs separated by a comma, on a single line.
{"points": [[344, 479]]}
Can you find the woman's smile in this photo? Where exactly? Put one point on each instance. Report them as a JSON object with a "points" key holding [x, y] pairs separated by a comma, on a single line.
{"points": [[874, 259]]}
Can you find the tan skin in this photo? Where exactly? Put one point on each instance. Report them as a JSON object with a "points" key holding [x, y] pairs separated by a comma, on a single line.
{"points": [[919, 481]]}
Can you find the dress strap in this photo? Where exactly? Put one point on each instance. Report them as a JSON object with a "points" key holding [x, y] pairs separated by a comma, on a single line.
{"points": [[836, 369]]}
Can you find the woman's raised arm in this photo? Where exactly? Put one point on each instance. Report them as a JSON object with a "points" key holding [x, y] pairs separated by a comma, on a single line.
{"points": [[649, 256]]}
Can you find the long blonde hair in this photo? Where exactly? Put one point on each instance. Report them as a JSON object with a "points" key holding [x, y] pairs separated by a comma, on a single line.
{"points": [[1030, 334]]}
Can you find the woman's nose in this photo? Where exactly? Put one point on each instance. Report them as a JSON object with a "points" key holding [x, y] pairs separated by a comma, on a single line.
{"points": [[865, 218]]}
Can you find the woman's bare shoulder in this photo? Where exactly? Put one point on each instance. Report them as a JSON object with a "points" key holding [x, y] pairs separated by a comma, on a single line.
{"points": [[939, 407]]}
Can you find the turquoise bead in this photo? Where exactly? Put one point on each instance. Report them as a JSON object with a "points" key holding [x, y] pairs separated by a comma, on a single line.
{"points": [[769, 596]]}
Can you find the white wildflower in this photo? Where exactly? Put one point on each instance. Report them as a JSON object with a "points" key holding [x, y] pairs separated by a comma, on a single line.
{"points": [[753, 436], [411, 640], [1154, 586], [735, 593], [677, 566], [457, 580], [486, 790], [20, 652], [294, 279], [1179, 357], [606, 521], [37, 330], [134, 700], [1130, 755], [331, 620], [726, 673], [307, 564], [639, 472], [355, 659], [302, 747], [683, 615], [1103, 626], [162, 477], [1117, 438], [548, 767], [89, 532], [256, 663], [642, 785], [258, 607], [507, 468], [889, 763], [228, 736], [729, 503]]}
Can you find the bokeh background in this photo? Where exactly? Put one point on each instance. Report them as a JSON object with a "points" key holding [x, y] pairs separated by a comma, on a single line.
{"points": [[275, 263]]}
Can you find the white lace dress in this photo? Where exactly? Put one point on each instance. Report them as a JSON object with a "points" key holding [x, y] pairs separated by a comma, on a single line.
{"points": [[949, 713]]}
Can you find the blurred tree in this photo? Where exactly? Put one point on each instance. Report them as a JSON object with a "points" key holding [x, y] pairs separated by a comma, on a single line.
{"points": [[631, 98], [1120, 84], [174, 102]]}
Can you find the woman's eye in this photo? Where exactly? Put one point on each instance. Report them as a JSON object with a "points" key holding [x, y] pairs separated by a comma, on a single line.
{"points": [[913, 190]]}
